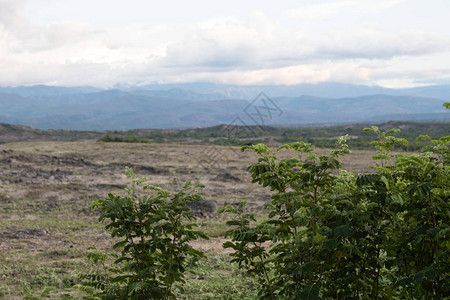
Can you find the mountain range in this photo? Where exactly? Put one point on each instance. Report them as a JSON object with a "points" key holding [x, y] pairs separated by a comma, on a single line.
{"points": [[204, 104]]}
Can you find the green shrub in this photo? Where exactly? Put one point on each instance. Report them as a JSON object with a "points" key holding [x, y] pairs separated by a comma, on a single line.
{"points": [[154, 230], [335, 235], [107, 138]]}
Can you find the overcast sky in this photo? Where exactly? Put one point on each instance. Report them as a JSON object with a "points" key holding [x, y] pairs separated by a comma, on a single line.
{"points": [[393, 43]]}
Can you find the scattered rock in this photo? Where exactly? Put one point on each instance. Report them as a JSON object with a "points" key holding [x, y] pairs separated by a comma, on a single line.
{"points": [[52, 202], [227, 177], [149, 170], [5, 198], [109, 186], [203, 208], [24, 233], [140, 170]]}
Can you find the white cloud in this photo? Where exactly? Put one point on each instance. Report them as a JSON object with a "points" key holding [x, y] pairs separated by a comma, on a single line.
{"points": [[254, 49], [12, 12], [7, 41], [371, 42], [260, 43], [346, 71], [402, 72], [329, 8]]}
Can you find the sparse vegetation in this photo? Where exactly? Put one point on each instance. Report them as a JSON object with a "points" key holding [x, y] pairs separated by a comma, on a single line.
{"points": [[226, 135], [46, 223], [107, 138], [322, 137]]}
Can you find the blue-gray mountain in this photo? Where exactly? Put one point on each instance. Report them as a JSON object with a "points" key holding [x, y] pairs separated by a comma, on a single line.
{"points": [[204, 104]]}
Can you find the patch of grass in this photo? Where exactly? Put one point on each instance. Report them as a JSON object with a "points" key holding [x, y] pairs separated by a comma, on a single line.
{"points": [[215, 227], [217, 278], [26, 272], [212, 227]]}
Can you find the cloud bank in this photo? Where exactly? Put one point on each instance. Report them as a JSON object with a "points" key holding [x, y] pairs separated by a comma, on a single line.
{"points": [[255, 49]]}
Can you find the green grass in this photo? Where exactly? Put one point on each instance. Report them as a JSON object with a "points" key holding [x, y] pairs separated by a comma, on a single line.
{"points": [[217, 278], [51, 265], [27, 272], [30, 263]]}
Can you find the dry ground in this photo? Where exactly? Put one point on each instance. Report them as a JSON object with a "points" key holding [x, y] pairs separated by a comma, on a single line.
{"points": [[46, 189]]}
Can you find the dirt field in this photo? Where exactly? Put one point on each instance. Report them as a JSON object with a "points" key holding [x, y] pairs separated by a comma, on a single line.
{"points": [[46, 189]]}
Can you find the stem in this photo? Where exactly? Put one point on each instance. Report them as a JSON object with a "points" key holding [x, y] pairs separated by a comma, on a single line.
{"points": [[169, 285], [174, 239], [320, 176], [378, 276], [266, 274], [436, 249], [314, 226]]}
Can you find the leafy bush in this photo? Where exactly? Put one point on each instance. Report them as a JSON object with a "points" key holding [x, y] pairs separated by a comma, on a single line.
{"points": [[107, 138], [336, 235], [154, 231]]}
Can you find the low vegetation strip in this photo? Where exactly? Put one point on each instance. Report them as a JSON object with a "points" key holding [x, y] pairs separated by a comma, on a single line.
{"points": [[107, 138], [322, 136]]}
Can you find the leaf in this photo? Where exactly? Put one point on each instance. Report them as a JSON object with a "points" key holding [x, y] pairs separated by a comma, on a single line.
{"points": [[372, 129], [365, 179], [141, 180], [425, 188], [120, 244], [120, 278], [129, 172], [228, 244], [385, 181], [443, 233]]}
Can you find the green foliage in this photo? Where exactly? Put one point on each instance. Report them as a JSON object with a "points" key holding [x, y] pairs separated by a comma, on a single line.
{"points": [[43, 295], [153, 231], [107, 138], [322, 137], [330, 234], [385, 144]]}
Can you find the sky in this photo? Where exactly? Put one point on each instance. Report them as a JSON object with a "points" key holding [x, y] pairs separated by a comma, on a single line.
{"points": [[391, 43]]}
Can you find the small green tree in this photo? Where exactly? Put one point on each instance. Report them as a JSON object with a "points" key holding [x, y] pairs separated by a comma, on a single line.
{"points": [[423, 237], [154, 231], [297, 258]]}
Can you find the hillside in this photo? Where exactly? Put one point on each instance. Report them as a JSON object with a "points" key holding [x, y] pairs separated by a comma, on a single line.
{"points": [[14, 133]]}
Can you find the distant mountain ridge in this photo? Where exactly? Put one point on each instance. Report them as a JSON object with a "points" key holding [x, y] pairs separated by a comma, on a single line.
{"points": [[324, 90], [203, 104]]}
